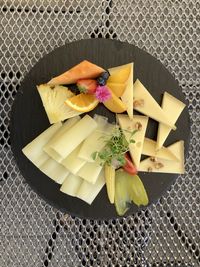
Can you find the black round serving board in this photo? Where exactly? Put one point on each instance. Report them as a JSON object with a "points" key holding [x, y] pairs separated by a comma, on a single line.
{"points": [[28, 118]]}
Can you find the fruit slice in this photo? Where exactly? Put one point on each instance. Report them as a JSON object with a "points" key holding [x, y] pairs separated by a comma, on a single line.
{"points": [[84, 70], [114, 104], [172, 108], [119, 74], [116, 88], [149, 149], [138, 124], [53, 99], [147, 105], [163, 165], [110, 182], [128, 188], [127, 96], [82, 102]]}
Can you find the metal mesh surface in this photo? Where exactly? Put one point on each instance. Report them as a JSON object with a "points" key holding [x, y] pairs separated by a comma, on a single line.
{"points": [[32, 233]]}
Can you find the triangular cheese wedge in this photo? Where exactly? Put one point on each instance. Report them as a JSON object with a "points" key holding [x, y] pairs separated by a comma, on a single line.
{"points": [[149, 149], [138, 123], [119, 74], [147, 105], [166, 166], [84, 70], [127, 96], [172, 108]]}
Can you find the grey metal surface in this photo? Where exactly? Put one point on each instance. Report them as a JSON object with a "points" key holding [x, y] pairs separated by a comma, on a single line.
{"points": [[32, 233]]}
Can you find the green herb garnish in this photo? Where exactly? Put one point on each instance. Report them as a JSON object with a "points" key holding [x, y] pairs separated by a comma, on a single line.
{"points": [[115, 148]]}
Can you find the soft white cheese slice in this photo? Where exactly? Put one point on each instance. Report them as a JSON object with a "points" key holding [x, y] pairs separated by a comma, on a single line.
{"points": [[147, 105], [149, 149], [71, 185], [127, 125], [163, 165], [90, 171], [172, 108]]}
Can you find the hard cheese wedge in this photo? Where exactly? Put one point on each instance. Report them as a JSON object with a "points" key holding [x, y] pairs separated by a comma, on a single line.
{"points": [[71, 185], [72, 162], [34, 150], [90, 171], [149, 149], [88, 192], [127, 96], [54, 170], [146, 104], [65, 127], [166, 166], [83, 70], [138, 123], [53, 99], [172, 108], [70, 139]]}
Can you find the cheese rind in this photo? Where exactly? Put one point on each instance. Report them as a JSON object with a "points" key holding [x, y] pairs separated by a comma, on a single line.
{"points": [[172, 108], [149, 149], [147, 105], [128, 126], [166, 166]]}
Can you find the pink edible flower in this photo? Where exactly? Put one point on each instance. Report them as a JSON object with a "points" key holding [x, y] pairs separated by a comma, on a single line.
{"points": [[102, 93]]}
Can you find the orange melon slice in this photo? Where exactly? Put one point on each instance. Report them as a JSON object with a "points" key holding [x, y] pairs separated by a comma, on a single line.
{"points": [[117, 88], [84, 70]]}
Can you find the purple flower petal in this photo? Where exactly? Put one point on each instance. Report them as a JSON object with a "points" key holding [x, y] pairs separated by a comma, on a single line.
{"points": [[102, 93]]}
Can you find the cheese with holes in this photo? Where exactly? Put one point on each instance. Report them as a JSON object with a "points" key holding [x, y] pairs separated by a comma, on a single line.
{"points": [[88, 191], [138, 123], [144, 103], [149, 149], [166, 166], [172, 108]]}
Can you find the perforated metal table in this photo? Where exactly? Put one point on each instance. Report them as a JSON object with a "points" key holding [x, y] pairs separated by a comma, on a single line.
{"points": [[32, 233]]}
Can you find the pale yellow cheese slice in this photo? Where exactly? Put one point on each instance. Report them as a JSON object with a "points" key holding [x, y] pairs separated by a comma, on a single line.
{"points": [[71, 185], [34, 150], [149, 149], [172, 108], [72, 162], [147, 105], [90, 171], [88, 191], [54, 170], [128, 126], [127, 96], [163, 165]]}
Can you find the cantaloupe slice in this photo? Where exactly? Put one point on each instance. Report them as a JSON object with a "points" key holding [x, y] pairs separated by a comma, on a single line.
{"points": [[84, 70], [119, 74], [116, 88]]}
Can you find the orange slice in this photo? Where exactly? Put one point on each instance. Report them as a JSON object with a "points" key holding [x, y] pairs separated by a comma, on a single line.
{"points": [[117, 88], [82, 102], [114, 104]]}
